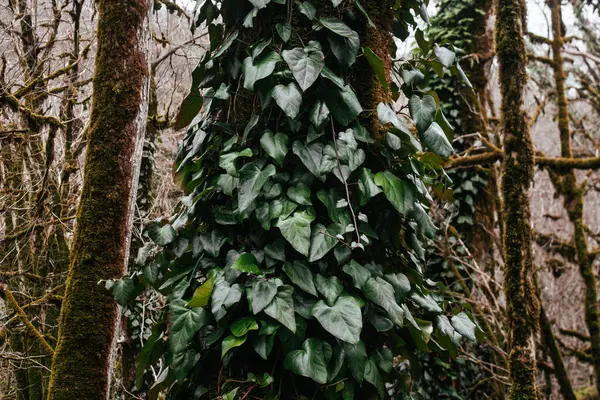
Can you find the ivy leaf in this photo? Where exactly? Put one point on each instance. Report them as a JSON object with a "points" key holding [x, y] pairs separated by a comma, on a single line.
{"points": [[424, 224], [343, 320], [184, 323], [288, 98], [284, 31], [463, 325], [183, 363], [242, 326], [330, 199], [393, 141], [397, 191], [323, 240], [400, 283], [262, 293], [311, 156], [252, 179], [343, 104], [356, 357], [275, 145], [263, 345], [123, 290], [359, 274], [412, 77], [308, 362], [388, 116], [422, 111], [330, 287], [367, 188], [161, 234], [227, 161], [374, 378], [300, 194], [435, 139], [336, 2], [301, 276], [262, 69], [227, 183], [223, 297], [426, 301], [446, 329], [345, 43], [296, 230], [259, 3], [377, 66], [319, 114], [202, 294], [246, 262], [282, 307], [305, 66], [307, 9], [445, 56], [212, 242], [231, 342], [381, 293], [190, 107]]}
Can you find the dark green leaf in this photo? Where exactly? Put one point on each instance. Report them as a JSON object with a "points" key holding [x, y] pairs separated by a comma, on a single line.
{"points": [[161, 234], [422, 111], [252, 179], [284, 31], [305, 66], [377, 66], [262, 293], [343, 320], [463, 325], [301, 276], [123, 290], [397, 191], [435, 139], [282, 307], [308, 362], [262, 69], [296, 230], [231, 342], [246, 262], [242, 326], [381, 293], [330, 287], [184, 323], [275, 145], [359, 274], [288, 98]]}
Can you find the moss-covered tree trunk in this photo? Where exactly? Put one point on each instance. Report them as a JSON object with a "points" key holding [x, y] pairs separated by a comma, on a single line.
{"points": [[517, 175], [566, 185], [82, 361]]}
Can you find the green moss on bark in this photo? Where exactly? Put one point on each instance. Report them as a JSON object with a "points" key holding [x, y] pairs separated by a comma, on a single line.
{"points": [[566, 185], [522, 303], [119, 111]]}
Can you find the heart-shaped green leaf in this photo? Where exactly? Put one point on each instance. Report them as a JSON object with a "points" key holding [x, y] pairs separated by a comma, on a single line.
{"points": [[343, 320], [275, 145], [308, 362]]}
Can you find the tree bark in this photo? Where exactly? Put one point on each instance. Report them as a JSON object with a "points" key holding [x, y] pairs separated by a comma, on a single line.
{"points": [[517, 176], [566, 185], [82, 362]]}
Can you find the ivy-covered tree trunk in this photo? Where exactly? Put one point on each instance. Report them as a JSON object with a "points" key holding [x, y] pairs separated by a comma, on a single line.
{"points": [[83, 357], [517, 176], [566, 185], [294, 264]]}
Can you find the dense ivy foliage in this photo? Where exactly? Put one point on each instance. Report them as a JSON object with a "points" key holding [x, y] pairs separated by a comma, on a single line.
{"points": [[294, 264]]}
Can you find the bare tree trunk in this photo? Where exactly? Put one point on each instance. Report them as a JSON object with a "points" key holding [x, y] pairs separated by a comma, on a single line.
{"points": [[517, 176], [82, 362]]}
